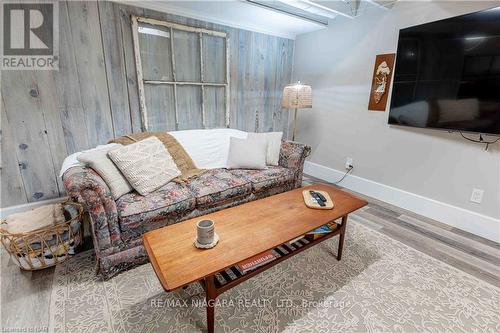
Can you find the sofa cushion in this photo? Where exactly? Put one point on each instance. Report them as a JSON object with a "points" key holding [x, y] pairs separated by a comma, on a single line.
{"points": [[261, 180], [170, 202], [217, 186]]}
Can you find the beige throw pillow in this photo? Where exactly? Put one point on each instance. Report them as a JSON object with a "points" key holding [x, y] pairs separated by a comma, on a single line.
{"points": [[146, 164], [100, 162], [273, 145], [247, 153]]}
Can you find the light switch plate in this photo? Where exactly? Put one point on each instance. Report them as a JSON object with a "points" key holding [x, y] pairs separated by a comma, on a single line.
{"points": [[477, 195]]}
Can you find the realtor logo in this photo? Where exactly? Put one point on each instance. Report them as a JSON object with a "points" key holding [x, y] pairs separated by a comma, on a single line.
{"points": [[30, 36]]}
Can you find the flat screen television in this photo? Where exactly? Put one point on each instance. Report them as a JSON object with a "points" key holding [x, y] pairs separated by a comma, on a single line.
{"points": [[447, 74]]}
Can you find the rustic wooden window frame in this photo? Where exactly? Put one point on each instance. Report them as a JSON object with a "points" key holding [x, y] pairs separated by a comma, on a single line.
{"points": [[141, 81]]}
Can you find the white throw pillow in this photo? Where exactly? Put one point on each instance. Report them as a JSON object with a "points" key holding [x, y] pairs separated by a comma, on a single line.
{"points": [[247, 153], [146, 164], [273, 145], [102, 164], [208, 148], [72, 160]]}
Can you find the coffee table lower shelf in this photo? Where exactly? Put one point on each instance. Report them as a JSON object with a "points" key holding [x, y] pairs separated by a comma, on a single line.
{"points": [[216, 284]]}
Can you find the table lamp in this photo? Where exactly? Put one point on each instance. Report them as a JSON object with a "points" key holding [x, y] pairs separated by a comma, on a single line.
{"points": [[296, 96]]}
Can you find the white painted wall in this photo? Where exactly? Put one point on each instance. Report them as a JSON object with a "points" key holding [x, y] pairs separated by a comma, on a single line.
{"points": [[338, 63]]}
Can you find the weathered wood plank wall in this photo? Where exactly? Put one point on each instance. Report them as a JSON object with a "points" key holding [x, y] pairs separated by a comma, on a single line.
{"points": [[47, 115]]}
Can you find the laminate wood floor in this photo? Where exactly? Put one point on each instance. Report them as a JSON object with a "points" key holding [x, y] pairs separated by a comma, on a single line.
{"points": [[25, 296], [475, 255]]}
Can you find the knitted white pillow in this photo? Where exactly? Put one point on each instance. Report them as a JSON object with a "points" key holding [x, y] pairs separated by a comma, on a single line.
{"points": [[146, 164]]}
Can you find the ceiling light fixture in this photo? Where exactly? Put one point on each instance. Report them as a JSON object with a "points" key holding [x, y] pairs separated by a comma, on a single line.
{"points": [[315, 8], [376, 4], [284, 8]]}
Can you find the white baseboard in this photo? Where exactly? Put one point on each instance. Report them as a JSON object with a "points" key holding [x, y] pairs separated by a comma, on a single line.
{"points": [[475, 223], [4, 212]]}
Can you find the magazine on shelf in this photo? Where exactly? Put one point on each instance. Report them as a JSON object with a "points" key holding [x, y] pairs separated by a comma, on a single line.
{"points": [[321, 231], [256, 261]]}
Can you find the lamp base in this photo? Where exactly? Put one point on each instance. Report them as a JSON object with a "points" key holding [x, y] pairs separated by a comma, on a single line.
{"points": [[294, 125]]}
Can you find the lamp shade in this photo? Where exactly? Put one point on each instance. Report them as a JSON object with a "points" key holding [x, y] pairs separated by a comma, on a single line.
{"points": [[297, 96]]}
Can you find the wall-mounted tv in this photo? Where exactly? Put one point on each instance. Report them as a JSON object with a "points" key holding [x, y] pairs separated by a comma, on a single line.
{"points": [[447, 74]]}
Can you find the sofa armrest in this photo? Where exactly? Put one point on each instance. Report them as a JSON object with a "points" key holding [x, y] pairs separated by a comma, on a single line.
{"points": [[85, 186], [293, 156]]}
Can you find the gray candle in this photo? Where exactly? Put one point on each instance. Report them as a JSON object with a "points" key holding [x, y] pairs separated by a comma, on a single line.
{"points": [[205, 230]]}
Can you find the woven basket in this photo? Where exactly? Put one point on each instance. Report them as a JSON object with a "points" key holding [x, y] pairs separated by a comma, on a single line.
{"points": [[48, 246]]}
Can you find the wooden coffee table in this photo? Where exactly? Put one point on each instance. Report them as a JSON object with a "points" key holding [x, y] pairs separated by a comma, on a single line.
{"points": [[245, 231]]}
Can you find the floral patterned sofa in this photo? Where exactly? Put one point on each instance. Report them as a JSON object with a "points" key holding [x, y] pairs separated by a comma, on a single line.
{"points": [[117, 226]]}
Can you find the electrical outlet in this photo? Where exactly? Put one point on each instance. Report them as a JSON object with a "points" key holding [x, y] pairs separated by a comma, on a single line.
{"points": [[477, 195], [348, 163]]}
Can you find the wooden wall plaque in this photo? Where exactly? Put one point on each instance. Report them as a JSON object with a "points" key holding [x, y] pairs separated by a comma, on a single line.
{"points": [[381, 81]]}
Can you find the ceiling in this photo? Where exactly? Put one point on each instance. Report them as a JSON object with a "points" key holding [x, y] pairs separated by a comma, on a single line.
{"points": [[284, 18]]}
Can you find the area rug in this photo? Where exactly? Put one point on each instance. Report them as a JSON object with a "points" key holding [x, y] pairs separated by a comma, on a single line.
{"points": [[380, 285]]}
